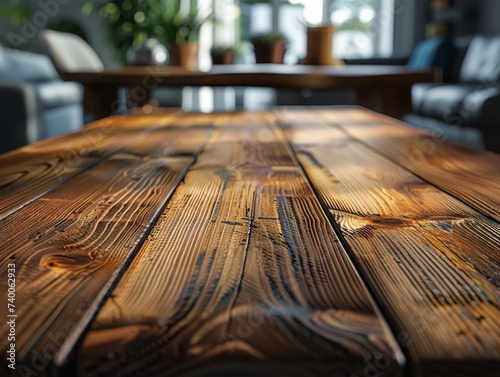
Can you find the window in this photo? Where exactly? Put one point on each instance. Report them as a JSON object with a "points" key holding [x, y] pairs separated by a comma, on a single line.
{"points": [[273, 16], [364, 28]]}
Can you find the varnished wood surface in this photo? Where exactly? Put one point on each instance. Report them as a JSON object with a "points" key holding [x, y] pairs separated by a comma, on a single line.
{"points": [[431, 259], [286, 243], [251, 269], [30, 172], [69, 244], [470, 175]]}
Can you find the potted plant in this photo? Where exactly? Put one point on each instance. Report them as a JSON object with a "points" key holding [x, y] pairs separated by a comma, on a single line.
{"points": [[131, 24], [222, 55], [178, 30], [227, 54], [128, 23], [269, 47]]}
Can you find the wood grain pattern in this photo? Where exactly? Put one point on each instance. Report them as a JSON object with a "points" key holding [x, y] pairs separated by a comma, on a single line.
{"points": [[471, 175], [431, 260], [81, 235], [253, 279], [207, 245], [301, 297], [30, 172]]}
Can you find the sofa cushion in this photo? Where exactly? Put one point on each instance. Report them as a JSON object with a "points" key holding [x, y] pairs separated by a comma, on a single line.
{"points": [[418, 93], [443, 102], [480, 108], [69, 52], [443, 131], [434, 52], [431, 53], [58, 93], [482, 60], [27, 66]]}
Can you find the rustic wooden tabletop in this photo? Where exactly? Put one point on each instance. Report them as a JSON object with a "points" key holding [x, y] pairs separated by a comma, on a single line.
{"points": [[298, 242]]}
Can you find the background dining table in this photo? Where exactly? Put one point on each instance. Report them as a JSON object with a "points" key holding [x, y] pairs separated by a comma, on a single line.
{"points": [[383, 88]]}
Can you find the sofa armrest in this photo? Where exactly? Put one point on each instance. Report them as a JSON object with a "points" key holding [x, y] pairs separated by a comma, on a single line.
{"points": [[19, 108], [480, 108], [57, 93]]}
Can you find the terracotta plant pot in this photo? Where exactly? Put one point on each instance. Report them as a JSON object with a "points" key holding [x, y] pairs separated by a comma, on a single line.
{"points": [[185, 55], [227, 58], [269, 53]]}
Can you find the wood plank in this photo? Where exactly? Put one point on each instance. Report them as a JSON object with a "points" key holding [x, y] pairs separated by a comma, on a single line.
{"points": [[470, 175], [233, 279], [301, 293], [34, 170], [431, 260], [79, 238]]}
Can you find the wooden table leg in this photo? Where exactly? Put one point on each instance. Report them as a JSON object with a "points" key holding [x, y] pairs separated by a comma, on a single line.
{"points": [[369, 98], [396, 100], [100, 100], [393, 100], [137, 96], [104, 100]]}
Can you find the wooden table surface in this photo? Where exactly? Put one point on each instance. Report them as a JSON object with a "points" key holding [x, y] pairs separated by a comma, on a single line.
{"points": [[299, 242], [385, 88]]}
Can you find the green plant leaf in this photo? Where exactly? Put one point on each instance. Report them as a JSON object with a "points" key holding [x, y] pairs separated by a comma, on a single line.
{"points": [[160, 19], [87, 9]]}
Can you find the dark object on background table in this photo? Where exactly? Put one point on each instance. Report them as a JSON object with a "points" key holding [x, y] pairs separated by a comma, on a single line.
{"points": [[150, 53]]}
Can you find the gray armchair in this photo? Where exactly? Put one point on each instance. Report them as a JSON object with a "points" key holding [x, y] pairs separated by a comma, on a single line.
{"points": [[34, 102], [468, 109], [70, 53]]}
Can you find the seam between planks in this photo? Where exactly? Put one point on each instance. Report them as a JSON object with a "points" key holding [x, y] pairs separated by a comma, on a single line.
{"points": [[62, 358], [339, 127], [387, 322], [411, 367], [90, 166], [7, 213]]}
